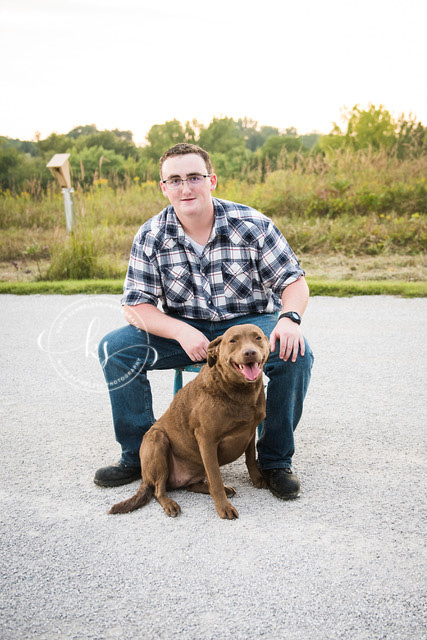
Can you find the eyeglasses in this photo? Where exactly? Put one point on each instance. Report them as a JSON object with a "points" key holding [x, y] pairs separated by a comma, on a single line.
{"points": [[194, 181]]}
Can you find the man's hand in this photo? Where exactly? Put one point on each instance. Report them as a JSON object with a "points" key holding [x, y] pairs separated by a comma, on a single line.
{"points": [[290, 339], [193, 341], [148, 318]]}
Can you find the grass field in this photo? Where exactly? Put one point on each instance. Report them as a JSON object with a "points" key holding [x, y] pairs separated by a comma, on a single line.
{"points": [[318, 287], [353, 219]]}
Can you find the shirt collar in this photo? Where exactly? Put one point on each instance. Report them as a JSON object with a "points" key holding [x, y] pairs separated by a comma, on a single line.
{"points": [[173, 228], [222, 227]]}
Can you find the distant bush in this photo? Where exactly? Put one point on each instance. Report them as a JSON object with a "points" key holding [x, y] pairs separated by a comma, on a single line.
{"points": [[80, 257]]}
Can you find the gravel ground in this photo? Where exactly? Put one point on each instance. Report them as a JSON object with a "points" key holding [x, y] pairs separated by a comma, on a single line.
{"points": [[345, 561]]}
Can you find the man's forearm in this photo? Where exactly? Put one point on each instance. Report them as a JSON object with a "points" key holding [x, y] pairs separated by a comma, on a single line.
{"points": [[295, 296], [291, 340], [149, 318]]}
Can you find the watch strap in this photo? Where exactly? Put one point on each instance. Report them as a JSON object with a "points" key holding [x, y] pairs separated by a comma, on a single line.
{"points": [[292, 315]]}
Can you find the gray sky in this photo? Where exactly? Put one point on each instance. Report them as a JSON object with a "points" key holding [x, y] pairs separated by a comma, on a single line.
{"points": [[129, 64]]}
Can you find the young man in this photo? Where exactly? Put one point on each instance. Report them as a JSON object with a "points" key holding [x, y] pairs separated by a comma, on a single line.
{"points": [[212, 264]]}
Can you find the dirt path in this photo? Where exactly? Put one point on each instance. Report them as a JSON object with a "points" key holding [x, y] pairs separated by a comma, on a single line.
{"points": [[346, 561]]}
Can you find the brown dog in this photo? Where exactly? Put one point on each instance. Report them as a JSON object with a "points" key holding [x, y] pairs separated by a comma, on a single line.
{"points": [[210, 422]]}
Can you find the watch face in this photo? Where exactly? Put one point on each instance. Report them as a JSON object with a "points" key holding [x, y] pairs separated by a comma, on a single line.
{"points": [[293, 315]]}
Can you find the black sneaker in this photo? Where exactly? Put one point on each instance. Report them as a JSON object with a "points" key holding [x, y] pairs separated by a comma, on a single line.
{"points": [[283, 483], [116, 475]]}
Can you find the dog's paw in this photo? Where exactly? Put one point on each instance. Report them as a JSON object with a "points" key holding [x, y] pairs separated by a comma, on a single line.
{"points": [[227, 512], [229, 491], [259, 482], [172, 508]]}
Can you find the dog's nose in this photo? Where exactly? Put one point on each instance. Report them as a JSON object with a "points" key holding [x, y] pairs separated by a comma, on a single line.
{"points": [[249, 353]]}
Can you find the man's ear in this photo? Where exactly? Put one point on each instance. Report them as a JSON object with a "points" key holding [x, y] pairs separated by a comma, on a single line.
{"points": [[163, 188], [213, 182], [213, 349]]}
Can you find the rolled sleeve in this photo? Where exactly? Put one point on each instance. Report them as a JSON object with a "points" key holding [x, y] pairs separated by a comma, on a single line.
{"points": [[278, 265], [142, 283]]}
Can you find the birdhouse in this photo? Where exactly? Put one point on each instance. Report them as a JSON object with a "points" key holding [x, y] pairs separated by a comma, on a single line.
{"points": [[59, 167]]}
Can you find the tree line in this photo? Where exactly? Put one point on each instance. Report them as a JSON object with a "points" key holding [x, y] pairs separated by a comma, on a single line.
{"points": [[239, 149]]}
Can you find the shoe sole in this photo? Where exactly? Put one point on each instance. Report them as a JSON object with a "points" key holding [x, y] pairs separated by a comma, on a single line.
{"points": [[289, 496], [115, 483]]}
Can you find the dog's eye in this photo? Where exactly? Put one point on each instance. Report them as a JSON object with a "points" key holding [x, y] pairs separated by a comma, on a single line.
{"points": [[232, 340], [258, 338]]}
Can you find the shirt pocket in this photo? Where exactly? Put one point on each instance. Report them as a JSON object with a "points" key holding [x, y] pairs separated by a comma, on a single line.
{"points": [[237, 278], [178, 284]]}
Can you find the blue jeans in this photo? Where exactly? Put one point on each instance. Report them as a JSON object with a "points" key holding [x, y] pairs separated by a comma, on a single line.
{"points": [[127, 354]]}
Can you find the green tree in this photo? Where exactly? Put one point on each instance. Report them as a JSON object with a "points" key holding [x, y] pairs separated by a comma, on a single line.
{"points": [[9, 163], [163, 136], [55, 144], [233, 164], [366, 128], [20, 171], [376, 129], [333, 141], [190, 131], [93, 163], [221, 136], [309, 140], [372, 127], [253, 135], [275, 146], [291, 132], [147, 168], [82, 130], [23, 146], [411, 141], [109, 140], [123, 135]]}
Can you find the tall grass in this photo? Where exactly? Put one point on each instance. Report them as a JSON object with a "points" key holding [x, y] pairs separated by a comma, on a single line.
{"points": [[355, 183], [351, 203]]}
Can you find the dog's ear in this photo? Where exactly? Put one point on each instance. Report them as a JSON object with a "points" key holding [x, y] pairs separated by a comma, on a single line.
{"points": [[213, 348]]}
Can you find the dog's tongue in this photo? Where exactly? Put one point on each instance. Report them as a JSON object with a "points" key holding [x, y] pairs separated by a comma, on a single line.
{"points": [[250, 371]]}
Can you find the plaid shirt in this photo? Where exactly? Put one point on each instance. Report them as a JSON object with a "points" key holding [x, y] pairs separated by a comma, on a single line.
{"points": [[244, 268]]}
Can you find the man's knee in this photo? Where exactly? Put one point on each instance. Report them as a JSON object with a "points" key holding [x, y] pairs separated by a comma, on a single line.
{"points": [[112, 343], [103, 348], [122, 344]]}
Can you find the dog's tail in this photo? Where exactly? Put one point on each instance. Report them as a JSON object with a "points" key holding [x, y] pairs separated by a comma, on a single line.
{"points": [[140, 499]]}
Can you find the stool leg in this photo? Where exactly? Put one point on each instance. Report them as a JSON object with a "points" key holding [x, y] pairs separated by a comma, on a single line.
{"points": [[177, 384]]}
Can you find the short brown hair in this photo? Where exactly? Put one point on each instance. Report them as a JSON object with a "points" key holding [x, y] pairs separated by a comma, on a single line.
{"points": [[182, 149]]}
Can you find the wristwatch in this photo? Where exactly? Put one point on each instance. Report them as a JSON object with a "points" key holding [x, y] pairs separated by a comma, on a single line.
{"points": [[292, 315]]}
